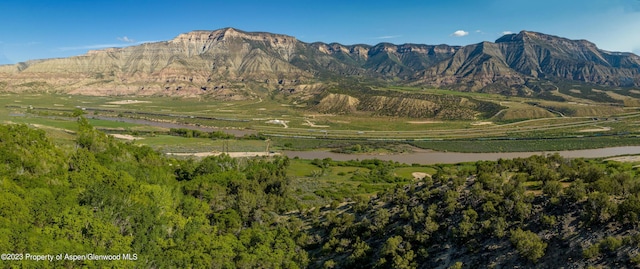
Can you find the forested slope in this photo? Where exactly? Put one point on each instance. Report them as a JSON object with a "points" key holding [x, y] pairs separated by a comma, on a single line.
{"points": [[111, 198], [544, 212], [105, 197]]}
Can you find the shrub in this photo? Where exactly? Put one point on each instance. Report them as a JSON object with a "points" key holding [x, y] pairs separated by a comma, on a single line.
{"points": [[528, 244]]}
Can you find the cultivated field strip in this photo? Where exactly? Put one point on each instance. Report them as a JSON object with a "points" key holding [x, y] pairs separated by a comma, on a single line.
{"points": [[489, 131]]}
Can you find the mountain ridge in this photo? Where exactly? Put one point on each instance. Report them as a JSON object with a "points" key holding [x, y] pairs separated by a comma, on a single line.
{"points": [[234, 62]]}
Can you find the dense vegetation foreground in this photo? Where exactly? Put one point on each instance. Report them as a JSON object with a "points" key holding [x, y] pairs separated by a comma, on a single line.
{"points": [[111, 204]]}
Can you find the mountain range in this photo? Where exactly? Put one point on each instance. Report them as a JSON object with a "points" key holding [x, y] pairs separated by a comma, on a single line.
{"points": [[233, 64]]}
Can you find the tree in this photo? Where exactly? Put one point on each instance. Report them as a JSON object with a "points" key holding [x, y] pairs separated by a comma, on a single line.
{"points": [[77, 112], [599, 208], [398, 252], [577, 191], [629, 210], [528, 244], [360, 252], [552, 188], [457, 265], [467, 227], [381, 219]]}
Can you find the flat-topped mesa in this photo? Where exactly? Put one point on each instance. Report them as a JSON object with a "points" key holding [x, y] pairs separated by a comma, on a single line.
{"points": [[201, 41], [529, 36], [526, 36], [258, 36], [230, 33], [105, 50]]}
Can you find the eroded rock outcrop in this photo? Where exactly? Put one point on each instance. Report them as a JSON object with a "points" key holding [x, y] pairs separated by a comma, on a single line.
{"points": [[230, 63]]}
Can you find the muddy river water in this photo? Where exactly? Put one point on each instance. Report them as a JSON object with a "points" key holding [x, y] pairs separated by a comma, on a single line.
{"points": [[418, 156], [433, 157]]}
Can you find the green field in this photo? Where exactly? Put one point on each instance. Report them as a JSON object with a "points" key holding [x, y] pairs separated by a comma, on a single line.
{"points": [[342, 180], [167, 143], [525, 124]]}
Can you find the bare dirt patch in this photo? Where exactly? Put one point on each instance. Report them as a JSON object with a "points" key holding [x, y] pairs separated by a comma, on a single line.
{"points": [[601, 129], [625, 159], [420, 175], [575, 91], [281, 122], [313, 116], [126, 137], [424, 122], [231, 154], [40, 126], [128, 102], [311, 124], [479, 123]]}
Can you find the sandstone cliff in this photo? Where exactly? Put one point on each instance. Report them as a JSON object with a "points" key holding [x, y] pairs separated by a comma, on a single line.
{"points": [[231, 64]]}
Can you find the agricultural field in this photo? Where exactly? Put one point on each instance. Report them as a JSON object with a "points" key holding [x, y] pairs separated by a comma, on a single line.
{"points": [[523, 124]]}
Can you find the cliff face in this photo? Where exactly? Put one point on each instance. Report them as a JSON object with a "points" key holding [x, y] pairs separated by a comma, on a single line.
{"points": [[544, 56], [222, 62], [229, 63], [513, 59]]}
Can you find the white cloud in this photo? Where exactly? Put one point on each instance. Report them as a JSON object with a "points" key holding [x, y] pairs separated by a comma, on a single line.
{"points": [[507, 33], [460, 33], [387, 36], [125, 39]]}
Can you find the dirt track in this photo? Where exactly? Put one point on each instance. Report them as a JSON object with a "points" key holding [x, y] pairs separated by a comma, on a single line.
{"points": [[231, 154]]}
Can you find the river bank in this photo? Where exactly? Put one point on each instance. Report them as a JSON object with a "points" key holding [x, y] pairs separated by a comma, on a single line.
{"points": [[420, 156]]}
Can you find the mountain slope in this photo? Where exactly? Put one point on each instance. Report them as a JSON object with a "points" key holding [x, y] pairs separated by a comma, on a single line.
{"points": [[513, 59], [234, 63], [541, 56]]}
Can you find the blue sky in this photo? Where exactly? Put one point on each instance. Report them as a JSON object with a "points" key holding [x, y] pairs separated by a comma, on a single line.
{"points": [[32, 29]]}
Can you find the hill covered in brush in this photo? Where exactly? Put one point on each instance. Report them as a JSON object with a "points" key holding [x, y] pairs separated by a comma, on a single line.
{"points": [[105, 197]]}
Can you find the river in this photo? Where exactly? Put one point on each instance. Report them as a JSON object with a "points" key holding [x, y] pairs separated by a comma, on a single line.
{"points": [[419, 156], [433, 157]]}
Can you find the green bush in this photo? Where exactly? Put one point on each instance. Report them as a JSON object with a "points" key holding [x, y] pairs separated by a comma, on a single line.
{"points": [[528, 244]]}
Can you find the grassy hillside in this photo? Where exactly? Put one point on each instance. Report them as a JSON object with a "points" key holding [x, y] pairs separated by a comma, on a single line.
{"points": [[105, 197]]}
